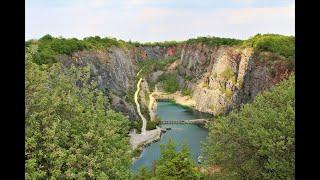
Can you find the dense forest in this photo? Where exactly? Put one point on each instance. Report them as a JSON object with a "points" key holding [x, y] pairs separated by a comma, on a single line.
{"points": [[73, 133]]}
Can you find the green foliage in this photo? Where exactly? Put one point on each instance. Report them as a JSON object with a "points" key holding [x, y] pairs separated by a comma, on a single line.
{"points": [[136, 152], [215, 41], [101, 43], [49, 47], [275, 43], [152, 44], [186, 92], [169, 82], [229, 93], [152, 65], [256, 141], [153, 124], [228, 74], [205, 85], [144, 174], [70, 131], [172, 164], [136, 124]]}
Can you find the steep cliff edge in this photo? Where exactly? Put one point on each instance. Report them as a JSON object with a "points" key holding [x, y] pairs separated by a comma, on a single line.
{"points": [[217, 73], [115, 69], [222, 77]]}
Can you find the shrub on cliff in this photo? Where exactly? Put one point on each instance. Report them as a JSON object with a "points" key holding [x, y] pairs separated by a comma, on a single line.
{"points": [[169, 82], [71, 133], [256, 141], [49, 47], [215, 41], [275, 43]]}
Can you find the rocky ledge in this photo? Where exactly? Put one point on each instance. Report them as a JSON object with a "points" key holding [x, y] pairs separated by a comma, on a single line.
{"points": [[142, 140]]}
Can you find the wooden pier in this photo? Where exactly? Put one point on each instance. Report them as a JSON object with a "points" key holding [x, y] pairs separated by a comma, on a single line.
{"points": [[192, 121]]}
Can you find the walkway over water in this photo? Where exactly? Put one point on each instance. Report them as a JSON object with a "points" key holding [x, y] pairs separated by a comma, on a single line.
{"points": [[192, 121]]}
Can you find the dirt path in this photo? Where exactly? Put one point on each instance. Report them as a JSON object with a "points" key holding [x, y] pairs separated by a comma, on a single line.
{"points": [[144, 121]]}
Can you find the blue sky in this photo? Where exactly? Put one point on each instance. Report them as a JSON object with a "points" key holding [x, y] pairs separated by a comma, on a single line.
{"points": [[158, 20]]}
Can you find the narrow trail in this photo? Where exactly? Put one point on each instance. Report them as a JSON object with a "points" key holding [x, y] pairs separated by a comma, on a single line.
{"points": [[144, 121]]}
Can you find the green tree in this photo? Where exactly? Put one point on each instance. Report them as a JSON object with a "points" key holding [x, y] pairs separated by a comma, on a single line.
{"points": [[173, 164], [143, 174], [71, 133], [275, 43], [169, 82], [256, 141]]}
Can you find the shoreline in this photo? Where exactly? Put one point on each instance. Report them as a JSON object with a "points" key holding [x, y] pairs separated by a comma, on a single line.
{"points": [[140, 141], [150, 136]]}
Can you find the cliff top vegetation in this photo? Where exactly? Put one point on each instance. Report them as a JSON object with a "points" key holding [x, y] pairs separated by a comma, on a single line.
{"points": [[48, 47]]}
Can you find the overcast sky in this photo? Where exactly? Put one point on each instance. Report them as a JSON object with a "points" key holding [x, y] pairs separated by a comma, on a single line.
{"points": [[158, 20]]}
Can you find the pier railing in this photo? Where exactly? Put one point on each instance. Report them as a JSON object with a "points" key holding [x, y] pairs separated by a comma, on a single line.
{"points": [[192, 121]]}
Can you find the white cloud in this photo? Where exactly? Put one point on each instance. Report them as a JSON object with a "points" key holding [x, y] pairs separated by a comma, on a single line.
{"points": [[255, 15], [145, 23]]}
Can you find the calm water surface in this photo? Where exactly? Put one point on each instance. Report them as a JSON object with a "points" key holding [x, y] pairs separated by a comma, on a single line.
{"points": [[192, 134]]}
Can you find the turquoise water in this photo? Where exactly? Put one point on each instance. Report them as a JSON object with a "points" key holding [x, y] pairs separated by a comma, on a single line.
{"points": [[192, 134]]}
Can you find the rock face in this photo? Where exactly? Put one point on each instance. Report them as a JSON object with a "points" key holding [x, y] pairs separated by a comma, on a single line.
{"points": [[157, 52], [224, 77], [220, 77], [115, 69]]}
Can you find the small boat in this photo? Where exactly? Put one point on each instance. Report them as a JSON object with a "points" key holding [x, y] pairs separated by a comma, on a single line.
{"points": [[199, 159], [169, 128]]}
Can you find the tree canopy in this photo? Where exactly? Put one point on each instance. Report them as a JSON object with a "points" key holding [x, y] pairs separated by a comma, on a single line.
{"points": [[275, 43], [173, 164], [257, 141], [71, 133]]}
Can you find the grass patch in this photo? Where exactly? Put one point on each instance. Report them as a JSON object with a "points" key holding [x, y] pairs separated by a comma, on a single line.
{"points": [[186, 92]]}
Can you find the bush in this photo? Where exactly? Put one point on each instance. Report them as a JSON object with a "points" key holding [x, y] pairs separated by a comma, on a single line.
{"points": [[275, 43], [153, 124], [49, 47], [136, 124], [215, 41], [186, 92], [169, 82]]}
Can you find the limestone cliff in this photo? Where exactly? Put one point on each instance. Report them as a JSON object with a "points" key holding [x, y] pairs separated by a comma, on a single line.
{"points": [[223, 77], [218, 77], [115, 71]]}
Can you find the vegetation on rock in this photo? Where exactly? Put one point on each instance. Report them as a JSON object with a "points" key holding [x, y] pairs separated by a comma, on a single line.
{"points": [[215, 41], [169, 82], [49, 47], [275, 43]]}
